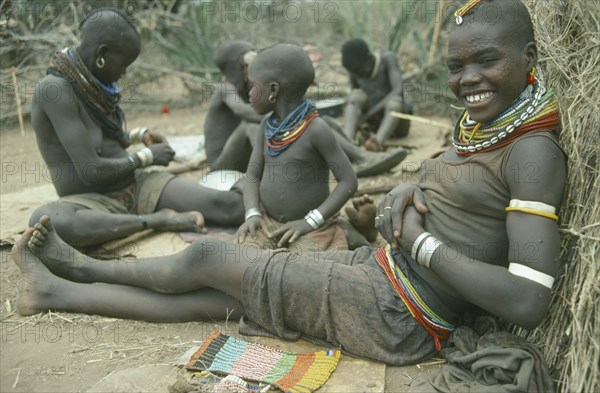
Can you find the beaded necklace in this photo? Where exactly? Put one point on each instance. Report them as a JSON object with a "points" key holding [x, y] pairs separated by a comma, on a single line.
{"points": [[280, 135], [101, 101], [535, 109]]}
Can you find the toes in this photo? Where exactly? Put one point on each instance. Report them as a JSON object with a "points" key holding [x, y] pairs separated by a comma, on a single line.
{"points": [[39, 228], [34, 242], [352, 213], [45, 221], [38, 235]]}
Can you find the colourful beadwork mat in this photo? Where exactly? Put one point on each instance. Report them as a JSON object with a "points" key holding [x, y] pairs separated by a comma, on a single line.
{"points": [[289, 371]]}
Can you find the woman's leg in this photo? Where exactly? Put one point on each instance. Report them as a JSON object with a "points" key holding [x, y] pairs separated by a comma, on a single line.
{"points": [[207, 263], [41, 291]]}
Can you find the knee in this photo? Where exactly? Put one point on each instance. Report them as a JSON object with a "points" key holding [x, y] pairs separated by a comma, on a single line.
{"points": [[358, 97], [62, 218], [232, 204], [203, 250], [51, 210], [394, 104]]}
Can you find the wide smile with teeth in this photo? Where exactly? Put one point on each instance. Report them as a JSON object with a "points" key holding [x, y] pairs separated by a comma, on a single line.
{"points": [[478, 97]]}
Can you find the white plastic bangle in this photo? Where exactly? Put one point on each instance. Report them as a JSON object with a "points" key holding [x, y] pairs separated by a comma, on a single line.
{"points": [[430, 244], [137, 134], [417, 243], [317, 216], [311, 222], [252, 212], [146, 157], [532, 205], [526, 272]]}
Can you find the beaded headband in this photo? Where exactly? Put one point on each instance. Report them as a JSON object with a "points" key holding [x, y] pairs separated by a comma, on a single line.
{"points": [[464, 9]]}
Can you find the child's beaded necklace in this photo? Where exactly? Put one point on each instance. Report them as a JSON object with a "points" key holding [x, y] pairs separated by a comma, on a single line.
{"points": [[280, 135]]}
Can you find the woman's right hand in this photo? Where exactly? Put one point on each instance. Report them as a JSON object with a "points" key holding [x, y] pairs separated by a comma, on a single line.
{"points": [[162, 154], [391, 209], [252, 225]]}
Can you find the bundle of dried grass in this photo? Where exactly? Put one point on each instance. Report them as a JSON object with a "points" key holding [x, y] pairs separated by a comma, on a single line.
{"points": [[568, 36]]}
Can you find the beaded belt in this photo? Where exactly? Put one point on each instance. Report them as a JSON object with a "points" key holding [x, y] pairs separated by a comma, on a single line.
{"points": [[438, 328]]}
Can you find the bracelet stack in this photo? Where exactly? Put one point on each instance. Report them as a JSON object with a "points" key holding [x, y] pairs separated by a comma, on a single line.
{"points": [[314, 218], [424, 247], [252, 212], [146, 157], [137, 134]]}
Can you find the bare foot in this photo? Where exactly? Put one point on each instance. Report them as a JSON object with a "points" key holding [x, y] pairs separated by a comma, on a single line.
{"points": [[36, 292], [378, 163], [168, 220], [59, 257], [372, 144], [362, 216]]}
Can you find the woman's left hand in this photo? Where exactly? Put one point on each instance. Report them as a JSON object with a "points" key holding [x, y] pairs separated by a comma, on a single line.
{"points": [[290, 232], [151, 138]]}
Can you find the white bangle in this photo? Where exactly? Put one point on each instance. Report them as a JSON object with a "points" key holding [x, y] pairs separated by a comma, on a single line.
{"points": [[146, 157], [430, 244], [311, 222], [137, 134], [252, 212], [316, 216], [531, 274], [417, 243]]}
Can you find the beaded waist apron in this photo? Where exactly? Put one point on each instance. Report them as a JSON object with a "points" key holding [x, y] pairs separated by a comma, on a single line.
{"points": [[438, 328]]}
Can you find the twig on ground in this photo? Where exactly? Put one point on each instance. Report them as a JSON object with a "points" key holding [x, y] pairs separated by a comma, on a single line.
{"points": [[422, 120]]}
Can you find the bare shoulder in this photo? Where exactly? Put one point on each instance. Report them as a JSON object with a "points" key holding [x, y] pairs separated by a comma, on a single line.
{"points": [[388, 56], [389, 59], [536, 170], [319, 131], [53, 89]]}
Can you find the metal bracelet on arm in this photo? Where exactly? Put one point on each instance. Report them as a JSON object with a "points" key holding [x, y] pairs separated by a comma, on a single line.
{"points": [[430, 244], [252, 212]]}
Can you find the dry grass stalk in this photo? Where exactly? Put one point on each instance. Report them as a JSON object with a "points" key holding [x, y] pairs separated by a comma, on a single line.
{"points": [[568, 35]]}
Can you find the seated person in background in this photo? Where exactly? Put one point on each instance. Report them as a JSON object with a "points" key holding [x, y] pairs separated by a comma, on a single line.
{"points": [[288, 172], [104, 194], [377, 90], [231, 124], [485, 238]]}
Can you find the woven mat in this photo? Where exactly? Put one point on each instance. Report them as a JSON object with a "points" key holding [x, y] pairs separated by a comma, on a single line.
{"points": [[289, 371]]}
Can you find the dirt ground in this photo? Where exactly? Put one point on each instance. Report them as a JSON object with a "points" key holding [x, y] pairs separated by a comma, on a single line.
{"points": [[62, 352]]}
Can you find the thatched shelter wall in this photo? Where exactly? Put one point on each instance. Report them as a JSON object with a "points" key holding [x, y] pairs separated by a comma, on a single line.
{"points": [[568, 36]]}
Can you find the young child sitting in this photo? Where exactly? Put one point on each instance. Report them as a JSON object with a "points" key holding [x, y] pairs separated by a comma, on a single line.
{"points": [[377, 91], [287, 194], [231, 125]]}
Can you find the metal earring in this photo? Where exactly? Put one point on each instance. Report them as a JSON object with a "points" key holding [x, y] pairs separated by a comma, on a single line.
{"points": [[272, 99], [100, 62]]}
